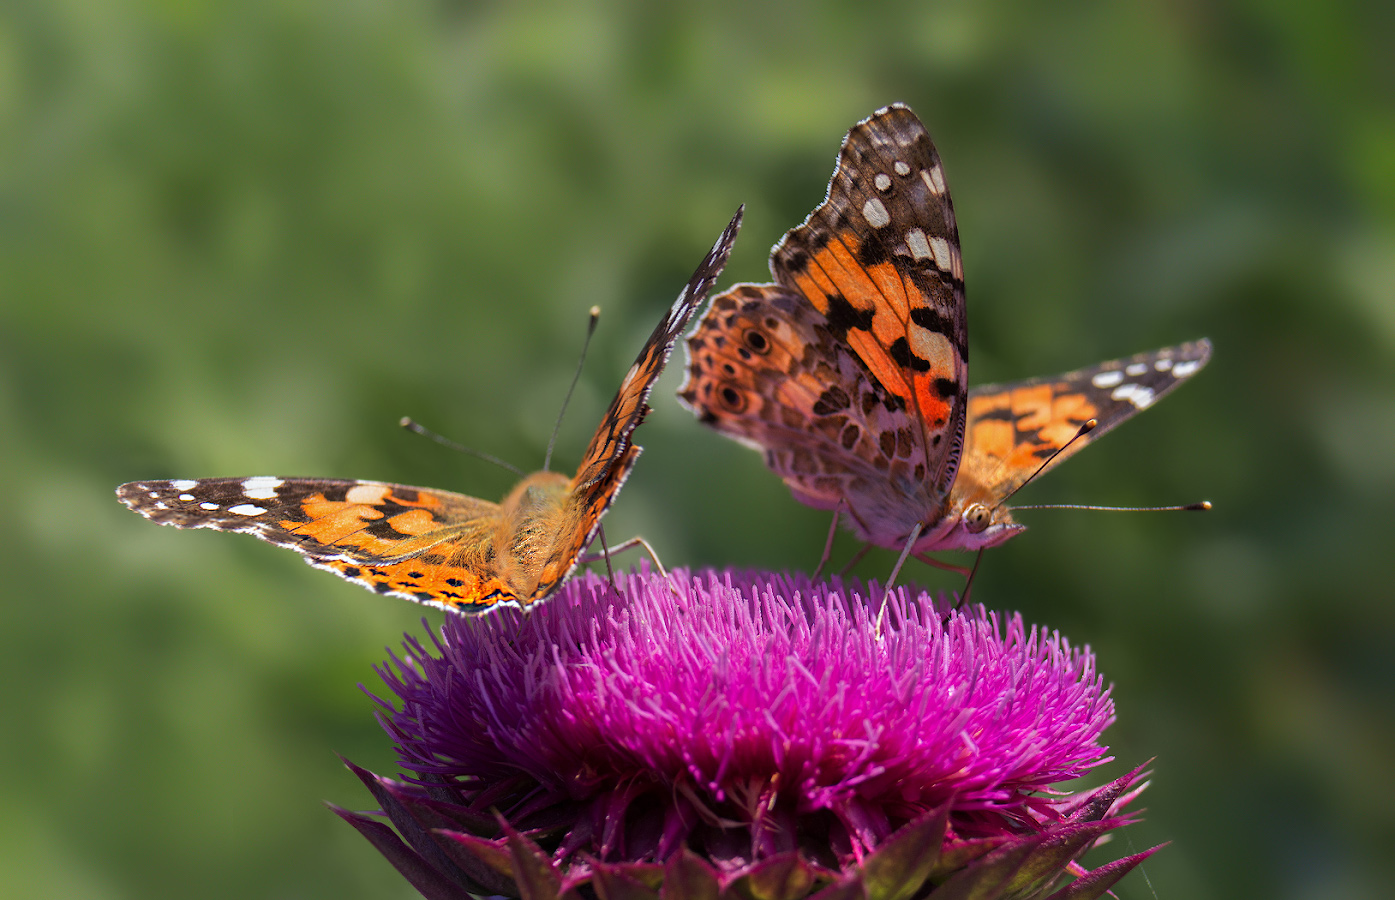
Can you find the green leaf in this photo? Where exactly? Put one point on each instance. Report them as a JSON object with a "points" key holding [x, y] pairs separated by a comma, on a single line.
{"points": [[618, 883], [688, 876], [532, 870], [430, 883], [1093, 884], [486, 851], [785, 876], [1053, 853], [844, 889], [988, 878], [900, 865]]}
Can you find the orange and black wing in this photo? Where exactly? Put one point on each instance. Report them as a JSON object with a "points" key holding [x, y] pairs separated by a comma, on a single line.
{"points": [[431, 546], [763, 371], [880, 260], [1014, 428], [611, 454]]}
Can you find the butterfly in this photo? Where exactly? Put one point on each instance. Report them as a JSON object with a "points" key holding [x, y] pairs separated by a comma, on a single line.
{"points": [[433, 546], [850, 371]]}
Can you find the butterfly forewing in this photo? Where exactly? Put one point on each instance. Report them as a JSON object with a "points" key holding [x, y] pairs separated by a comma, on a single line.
{"points": [[354, 528], [1014, 428], [880, 260], [611, 454], [863, 406]]}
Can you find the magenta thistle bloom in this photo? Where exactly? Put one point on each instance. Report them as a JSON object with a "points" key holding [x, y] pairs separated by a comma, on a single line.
{"points": [[720, 727]]}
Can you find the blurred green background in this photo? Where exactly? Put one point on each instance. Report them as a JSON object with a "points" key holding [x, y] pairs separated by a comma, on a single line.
{"points": [[244, 238]]}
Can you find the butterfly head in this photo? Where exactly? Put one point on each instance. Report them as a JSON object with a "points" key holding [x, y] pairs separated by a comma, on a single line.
{"points": [[974, 523]]}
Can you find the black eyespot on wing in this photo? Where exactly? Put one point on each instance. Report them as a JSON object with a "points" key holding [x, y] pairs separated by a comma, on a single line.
{"points": [[732, 399]]}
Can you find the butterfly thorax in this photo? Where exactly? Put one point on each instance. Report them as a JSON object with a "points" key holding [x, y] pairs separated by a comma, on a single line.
{"points": [[527, 529]]}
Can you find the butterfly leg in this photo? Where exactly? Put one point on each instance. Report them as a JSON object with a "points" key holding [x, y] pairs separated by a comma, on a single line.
{"points": [[605, 551], [969, 585], [896, 570], [940, 564], [828, 545], [964, 594], [856, 558], [635, 541]]}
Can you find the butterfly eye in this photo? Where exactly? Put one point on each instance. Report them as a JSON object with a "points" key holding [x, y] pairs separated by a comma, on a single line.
{"points": [[732, 399], [756, 341], [976, 517]]}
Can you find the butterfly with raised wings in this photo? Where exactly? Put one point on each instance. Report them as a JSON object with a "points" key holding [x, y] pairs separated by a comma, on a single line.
{"points": [[850, 371], [433, 546]]}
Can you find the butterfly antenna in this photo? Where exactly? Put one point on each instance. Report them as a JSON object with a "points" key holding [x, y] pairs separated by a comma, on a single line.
{"points": [[413, 425], [1089, 426], [828, 545], [585, 345], [1200, 505], [896, 570], [600, 532], [856, 558], [969, 584], [1084, 430]]}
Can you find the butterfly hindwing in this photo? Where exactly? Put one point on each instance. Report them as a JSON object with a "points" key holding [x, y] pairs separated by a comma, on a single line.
{"points": [[763, 369]]}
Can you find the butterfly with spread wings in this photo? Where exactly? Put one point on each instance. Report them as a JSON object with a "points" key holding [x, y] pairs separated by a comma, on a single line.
{"points": [[433, 546]]}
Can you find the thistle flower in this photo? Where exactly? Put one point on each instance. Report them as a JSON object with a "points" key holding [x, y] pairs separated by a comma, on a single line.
{"points": [[747, 733]]}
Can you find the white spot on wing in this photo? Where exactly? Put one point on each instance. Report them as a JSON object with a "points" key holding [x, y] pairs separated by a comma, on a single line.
{"points": [[1186, 367], [1137, 394], [183, 484], [1163, 365], [920, 247], [934, 179], [875, 213], [186, 497], [369, 494], [246, 509], [930, 346], [1136, 370], [882, 181], [946, 257], [261, 488], [1107, 379], [901, 168], [208, 506]]}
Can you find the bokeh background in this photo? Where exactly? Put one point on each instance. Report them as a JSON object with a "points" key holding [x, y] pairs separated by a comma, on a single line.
{"points": [[245, 238]]}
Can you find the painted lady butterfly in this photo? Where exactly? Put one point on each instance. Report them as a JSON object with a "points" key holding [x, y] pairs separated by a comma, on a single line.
{"points": [[850, 372], [437, 547]]}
